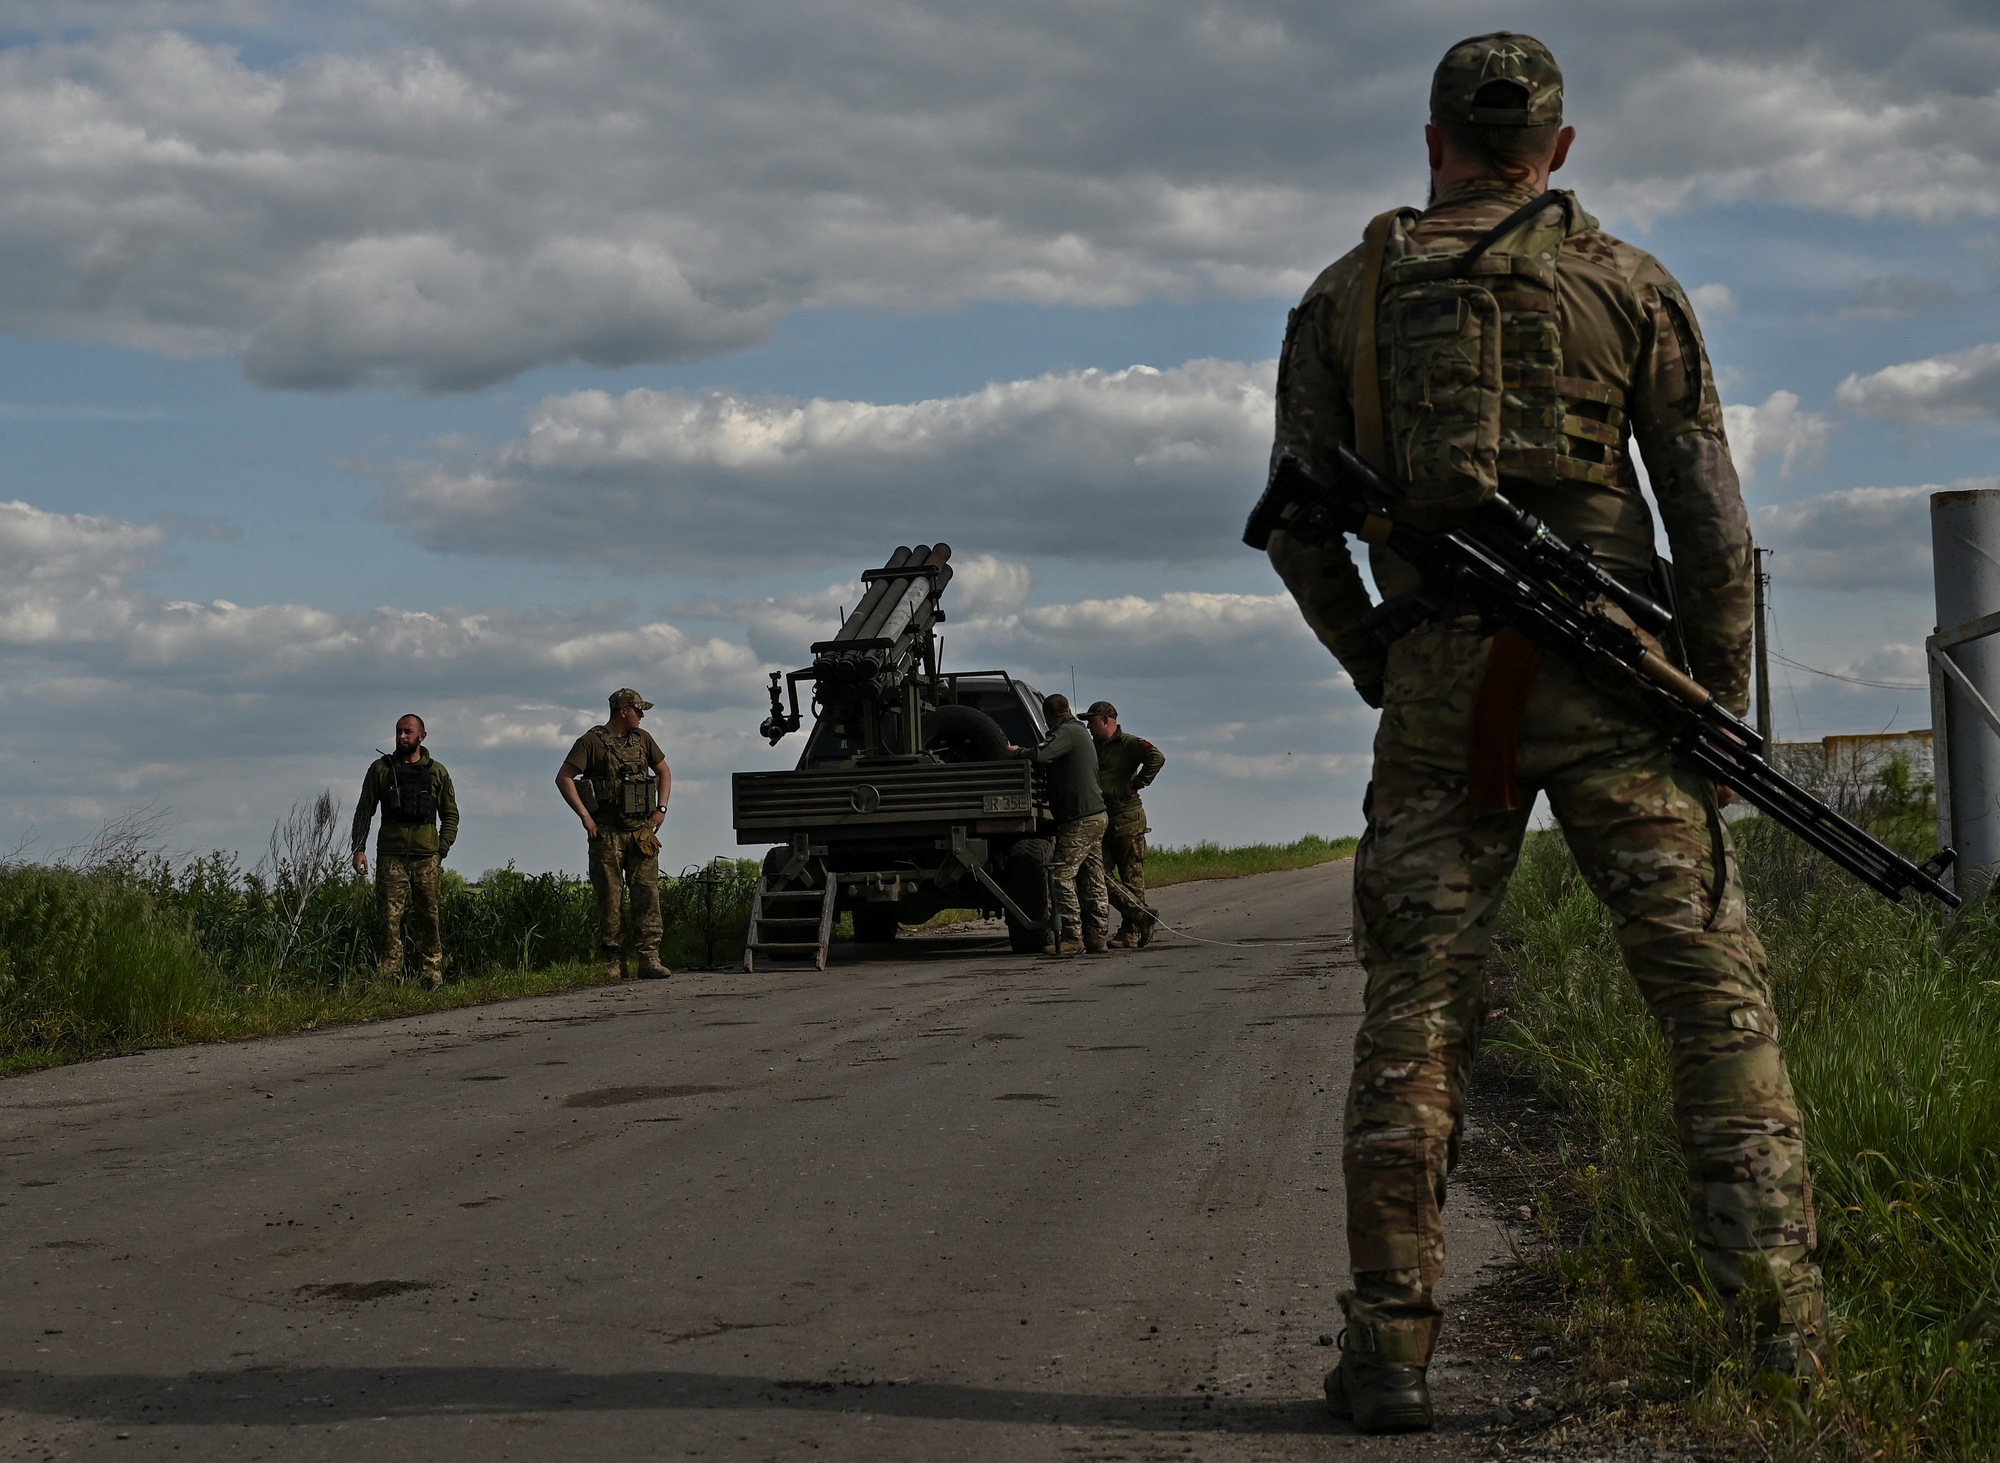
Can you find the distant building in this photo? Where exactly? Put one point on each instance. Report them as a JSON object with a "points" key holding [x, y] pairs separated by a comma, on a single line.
{"points": [[1845, 769]]}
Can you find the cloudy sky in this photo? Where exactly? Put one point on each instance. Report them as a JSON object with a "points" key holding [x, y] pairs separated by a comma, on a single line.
{"points": [[480, 356]]}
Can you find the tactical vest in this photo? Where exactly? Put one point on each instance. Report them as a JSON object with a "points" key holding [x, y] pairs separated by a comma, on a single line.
{"points": [[411, 793], [627, 788], [1471, 391]]}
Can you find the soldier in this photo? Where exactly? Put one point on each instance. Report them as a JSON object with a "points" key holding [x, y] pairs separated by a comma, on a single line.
{"points": [[419, 826], [1501, 332], [1071, 759], [616, 781], [1125, 765]]}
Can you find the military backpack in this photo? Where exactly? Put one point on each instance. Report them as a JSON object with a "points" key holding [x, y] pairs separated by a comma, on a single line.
{"points": [[1458, 372]]}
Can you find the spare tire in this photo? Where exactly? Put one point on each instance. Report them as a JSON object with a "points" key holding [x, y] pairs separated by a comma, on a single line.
{"points": [[963, 734]]}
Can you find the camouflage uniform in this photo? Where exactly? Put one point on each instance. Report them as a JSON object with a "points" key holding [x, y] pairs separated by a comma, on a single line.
{"points": [[626, 851], [1070, 757], [1627, 362], [409, 858], [1125, 765]]}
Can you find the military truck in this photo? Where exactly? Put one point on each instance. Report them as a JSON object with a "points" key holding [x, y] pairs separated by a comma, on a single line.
{"points": [[904, 801]]}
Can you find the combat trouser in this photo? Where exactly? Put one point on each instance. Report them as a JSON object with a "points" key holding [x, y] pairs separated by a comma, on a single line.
{"points": [[412, 882], [1079, 871], [1429, 878], [620, 857], [1125, 876]]}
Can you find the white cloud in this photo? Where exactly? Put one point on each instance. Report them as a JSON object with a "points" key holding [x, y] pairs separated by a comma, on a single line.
{"points": [[1941, 391], [1281, 766], [1713, 301], [1101, 465], [1179, 632], [69, 606], [1777, 429], [474, 190], [1858, 538]]}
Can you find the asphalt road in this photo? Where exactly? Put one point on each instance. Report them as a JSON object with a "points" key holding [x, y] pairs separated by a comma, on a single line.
{"points": [[936, 1203]]}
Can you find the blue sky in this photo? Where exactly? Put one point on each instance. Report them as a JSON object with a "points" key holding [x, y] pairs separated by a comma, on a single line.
{"points": [[480, 356]]}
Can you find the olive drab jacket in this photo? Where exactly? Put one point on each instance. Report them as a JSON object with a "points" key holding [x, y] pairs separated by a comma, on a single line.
{"points": [[1070, 757], [1125, 765], [1601, 352], [419, 807]]}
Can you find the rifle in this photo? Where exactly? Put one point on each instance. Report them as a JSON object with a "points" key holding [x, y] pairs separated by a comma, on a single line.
{"points": [[1506, 565]]}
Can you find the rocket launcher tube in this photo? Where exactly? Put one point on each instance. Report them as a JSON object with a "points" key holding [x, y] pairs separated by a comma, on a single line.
{"points": [[884, 606], [927, 588], [850, 628]]}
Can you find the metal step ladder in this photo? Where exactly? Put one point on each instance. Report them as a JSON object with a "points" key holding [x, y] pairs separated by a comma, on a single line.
{"points": [[790, 924]]}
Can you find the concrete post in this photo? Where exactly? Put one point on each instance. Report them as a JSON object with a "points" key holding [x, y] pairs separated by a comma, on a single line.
{"points": [[1965, 566]]}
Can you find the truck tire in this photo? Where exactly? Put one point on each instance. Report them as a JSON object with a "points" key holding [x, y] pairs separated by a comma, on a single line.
{"points": [[875, 924], [1026, 882], [964, 734]]}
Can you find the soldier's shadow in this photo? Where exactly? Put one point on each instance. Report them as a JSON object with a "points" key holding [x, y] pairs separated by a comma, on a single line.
{"points": [[335, 1394]]}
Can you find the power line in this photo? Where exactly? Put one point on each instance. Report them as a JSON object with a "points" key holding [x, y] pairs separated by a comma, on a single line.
{"points": [[1852, 680]]}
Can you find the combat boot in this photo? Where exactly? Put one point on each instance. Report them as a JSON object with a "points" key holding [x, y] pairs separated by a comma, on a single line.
{"points": [[650, 967], [1144, 935], [1383, 1389], [614, 964], [1094, 945], [1123, 939], [1786, 1338]]}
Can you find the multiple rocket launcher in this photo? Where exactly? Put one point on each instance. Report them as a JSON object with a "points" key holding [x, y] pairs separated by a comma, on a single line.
{"points": [[882, 642], [880, 648]]}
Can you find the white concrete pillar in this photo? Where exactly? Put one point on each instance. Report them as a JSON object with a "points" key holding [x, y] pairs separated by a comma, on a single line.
{"points": [[1965, 566]]}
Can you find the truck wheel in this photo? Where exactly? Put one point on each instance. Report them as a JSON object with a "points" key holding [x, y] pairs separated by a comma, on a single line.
{"points": [[964, 734], [875, 924], [1026, 881]]}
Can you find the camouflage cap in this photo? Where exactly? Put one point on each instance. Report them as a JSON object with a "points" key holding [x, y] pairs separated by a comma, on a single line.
{"points": [[626, 696], [1102, 708], [1504, 55]]}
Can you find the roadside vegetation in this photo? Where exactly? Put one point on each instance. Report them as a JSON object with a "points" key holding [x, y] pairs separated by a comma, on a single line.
{"points": [[1891, 1015], [118, 946], [1169, 865]]}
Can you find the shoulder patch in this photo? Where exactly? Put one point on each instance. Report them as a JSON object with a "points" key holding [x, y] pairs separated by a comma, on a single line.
{"points": [[1146, 744]]}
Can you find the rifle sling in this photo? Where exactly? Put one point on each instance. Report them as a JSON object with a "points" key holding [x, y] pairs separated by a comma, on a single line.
{"points": [[1368, 432], [1493, 736]]}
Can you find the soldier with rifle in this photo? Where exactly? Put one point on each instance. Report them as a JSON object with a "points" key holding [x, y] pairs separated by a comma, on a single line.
{"points": [[1462, 392]]}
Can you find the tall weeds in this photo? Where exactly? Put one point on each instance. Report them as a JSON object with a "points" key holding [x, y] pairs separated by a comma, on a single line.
{"points": [[1891, 1015], [121, 945]]}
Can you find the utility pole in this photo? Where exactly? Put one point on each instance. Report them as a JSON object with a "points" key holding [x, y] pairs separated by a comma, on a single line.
{"points": [[1761, 638]]}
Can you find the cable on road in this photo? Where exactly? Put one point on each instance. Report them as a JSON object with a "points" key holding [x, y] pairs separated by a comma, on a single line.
{"points": [[1250, 944]]}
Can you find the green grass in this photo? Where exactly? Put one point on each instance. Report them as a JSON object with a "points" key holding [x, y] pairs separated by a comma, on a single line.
{"points": [[143, 953], [1166, 865], [139, 951], [1891, 1015]]}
